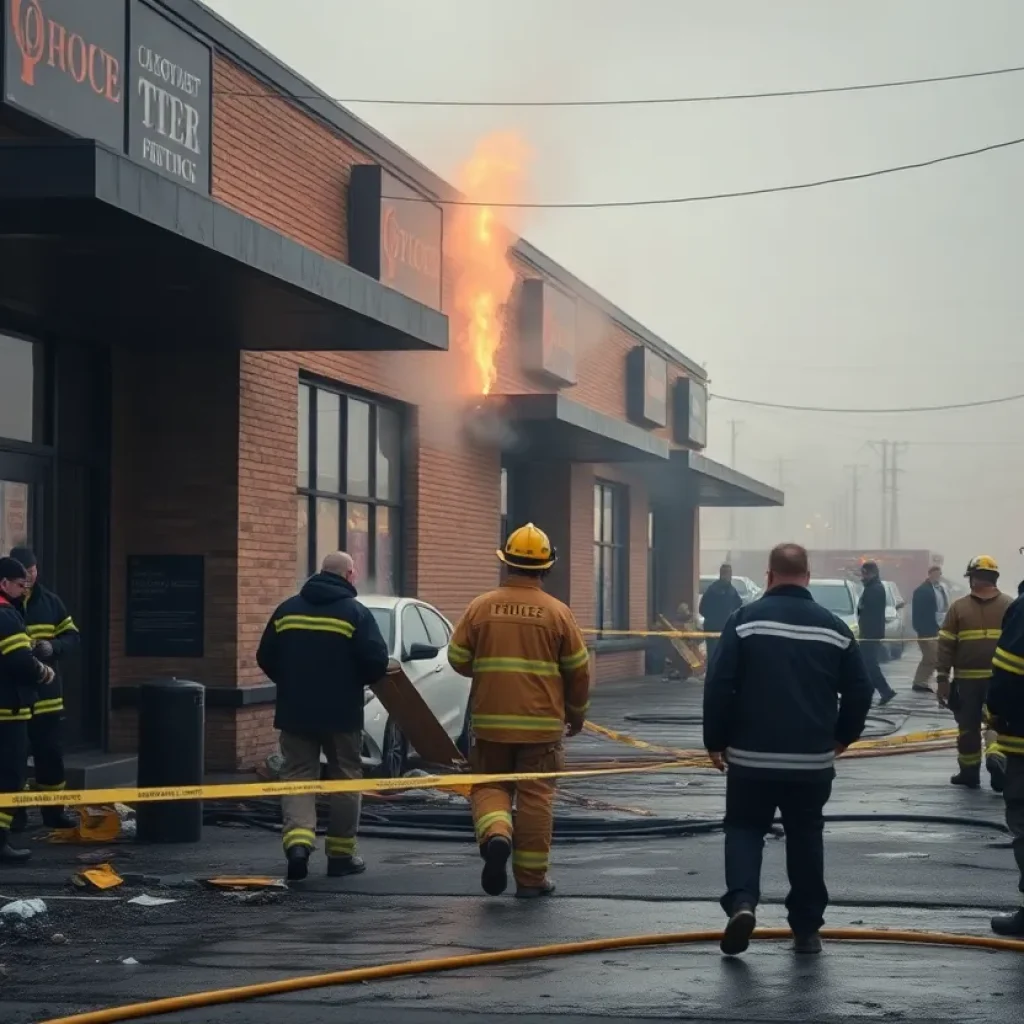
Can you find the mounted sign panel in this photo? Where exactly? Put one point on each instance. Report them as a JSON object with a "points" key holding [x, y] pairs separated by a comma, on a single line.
{"points": [[547, 330], [395, 234], [64, 63], [646, 387], [690, 413]]}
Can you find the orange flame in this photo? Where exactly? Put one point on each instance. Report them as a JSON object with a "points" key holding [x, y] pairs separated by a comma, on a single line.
{"points": [[477, 245]]}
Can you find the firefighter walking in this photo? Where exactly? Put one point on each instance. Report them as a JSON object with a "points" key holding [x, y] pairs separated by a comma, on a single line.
{"points": [[530, 670], [22, 676], [967, 643], [54, 636]]}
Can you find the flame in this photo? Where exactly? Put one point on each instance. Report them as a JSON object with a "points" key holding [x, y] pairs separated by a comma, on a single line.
{"points": [[477, 245]]}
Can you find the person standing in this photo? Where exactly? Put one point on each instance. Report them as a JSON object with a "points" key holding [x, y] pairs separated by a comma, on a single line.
{"points": [[21, 678], [871, 629], [719, 601], [967, 645], [1006, 706], [322, 648], [928, 611], [54, 636], [530, 669], [786, 694]]}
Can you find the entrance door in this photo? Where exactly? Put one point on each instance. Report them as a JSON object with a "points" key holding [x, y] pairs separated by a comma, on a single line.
{"points": [[22, 482]]}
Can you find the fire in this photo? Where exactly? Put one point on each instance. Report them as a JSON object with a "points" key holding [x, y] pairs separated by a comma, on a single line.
{"points": [[477, 245]]}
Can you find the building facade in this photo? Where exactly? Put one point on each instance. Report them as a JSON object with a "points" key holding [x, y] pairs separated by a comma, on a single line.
{"points": [[225, 349]]}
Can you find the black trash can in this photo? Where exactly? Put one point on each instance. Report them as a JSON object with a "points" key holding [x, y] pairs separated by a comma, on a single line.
{"points": [[172, 715]]}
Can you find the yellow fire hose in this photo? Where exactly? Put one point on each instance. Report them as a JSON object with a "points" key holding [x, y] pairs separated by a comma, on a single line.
{"points": [[404, 969]]}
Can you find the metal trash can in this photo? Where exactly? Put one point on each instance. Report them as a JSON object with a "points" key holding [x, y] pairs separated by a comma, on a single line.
{"points": [[172, 719]]}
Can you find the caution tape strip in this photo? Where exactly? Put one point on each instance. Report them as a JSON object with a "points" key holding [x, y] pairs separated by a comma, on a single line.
{"points": [[687, 634]]}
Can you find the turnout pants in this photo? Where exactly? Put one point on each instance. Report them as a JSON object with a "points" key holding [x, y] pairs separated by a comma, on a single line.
{"points": [[46, 745], [929, 646], [301, 752], [13, 760], [534, 800], [970, 719], [1014, 796], [750, 806]]}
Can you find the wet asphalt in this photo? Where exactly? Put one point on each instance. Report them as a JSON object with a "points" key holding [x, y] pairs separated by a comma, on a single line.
{"points": [[420, 899]]}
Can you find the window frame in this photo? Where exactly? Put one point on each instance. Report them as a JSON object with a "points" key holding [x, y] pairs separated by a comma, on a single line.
{"points": [[614, 553], [311, 493]]}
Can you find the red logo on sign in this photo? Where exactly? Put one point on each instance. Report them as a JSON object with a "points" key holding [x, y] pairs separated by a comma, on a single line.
{"points": [[42, 39]]}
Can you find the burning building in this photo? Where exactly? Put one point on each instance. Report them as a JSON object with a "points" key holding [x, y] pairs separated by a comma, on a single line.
{"points": [[209, 379]]}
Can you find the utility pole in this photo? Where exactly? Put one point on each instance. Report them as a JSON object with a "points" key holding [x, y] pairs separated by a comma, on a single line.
{"points": [[896, 449], [734, 429], [854, 500], [884, 447]]}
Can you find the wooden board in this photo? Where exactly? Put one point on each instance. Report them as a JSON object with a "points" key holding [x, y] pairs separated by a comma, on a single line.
{"points": [[403, 703], [691, 657]]}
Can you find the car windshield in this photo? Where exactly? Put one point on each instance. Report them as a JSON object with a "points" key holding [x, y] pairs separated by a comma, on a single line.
{"points": [[386, 623], [834, 596]]}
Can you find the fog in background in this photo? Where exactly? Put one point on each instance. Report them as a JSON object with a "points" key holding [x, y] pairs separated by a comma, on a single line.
{"points": [[902, 290]]}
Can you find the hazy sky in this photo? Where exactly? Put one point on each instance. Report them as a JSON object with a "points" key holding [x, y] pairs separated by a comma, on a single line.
{"points": [[898, 291]]}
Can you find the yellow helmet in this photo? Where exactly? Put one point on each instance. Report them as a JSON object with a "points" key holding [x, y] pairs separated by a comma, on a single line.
{"points": [[528, 548], [983, 563]]}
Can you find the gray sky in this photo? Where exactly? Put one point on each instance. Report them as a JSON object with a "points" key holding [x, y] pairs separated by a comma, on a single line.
{"points": [[897, 291]]}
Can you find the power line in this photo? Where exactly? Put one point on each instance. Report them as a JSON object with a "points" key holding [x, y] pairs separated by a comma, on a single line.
{"points": [[642, 101], [710, 197], [908, 409]]}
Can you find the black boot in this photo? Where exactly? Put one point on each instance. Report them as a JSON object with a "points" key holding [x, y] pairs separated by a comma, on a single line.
{"points": [[969, 777], [1010, 925], [339, 867], [738, 931], [8, 854], [996, 765], [58, 818], [495, 852], [298, 863], [534, 892], [806, 942], [20, 820]]}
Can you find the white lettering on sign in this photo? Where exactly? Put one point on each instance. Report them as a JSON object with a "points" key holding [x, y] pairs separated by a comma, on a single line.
{"points": [[167, 71], [168, 114]]}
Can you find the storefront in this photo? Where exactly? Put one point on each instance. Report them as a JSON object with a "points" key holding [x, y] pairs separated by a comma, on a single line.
{"points": [[224, 351]]}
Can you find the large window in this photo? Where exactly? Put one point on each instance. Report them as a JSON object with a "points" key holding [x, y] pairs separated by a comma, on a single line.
{"points": [[610, 535], [20, 382], [349, 485]]}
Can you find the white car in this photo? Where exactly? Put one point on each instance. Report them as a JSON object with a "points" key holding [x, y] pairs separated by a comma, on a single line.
{"points": [[744, 586], [839, 597], [417, 635]]}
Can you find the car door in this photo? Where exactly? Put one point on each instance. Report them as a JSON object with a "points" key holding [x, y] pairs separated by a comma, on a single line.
{"points": [[425, 675], [453, 689]]}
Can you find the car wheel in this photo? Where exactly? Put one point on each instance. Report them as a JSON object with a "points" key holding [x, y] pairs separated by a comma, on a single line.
{"points": [[395, 753], [464, 737]]}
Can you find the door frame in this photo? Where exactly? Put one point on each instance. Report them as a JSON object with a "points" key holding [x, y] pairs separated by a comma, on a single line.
{"points": [[37, 472]]}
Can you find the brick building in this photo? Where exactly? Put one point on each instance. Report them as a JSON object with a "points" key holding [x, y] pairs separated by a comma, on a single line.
{"points": [[225, 350]]}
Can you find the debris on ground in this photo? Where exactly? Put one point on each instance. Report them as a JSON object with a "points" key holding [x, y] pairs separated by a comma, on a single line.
{"points": [[130, 960], [261, 898], [103, 876], [146, 900], [23, 910], [99, 825], [243, 882]]}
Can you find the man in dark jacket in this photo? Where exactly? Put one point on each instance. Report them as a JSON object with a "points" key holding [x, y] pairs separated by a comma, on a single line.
{"points": [[1006, 708], [720, 600], [786, 694], [322, 648], [871, 627], [928, 609], [54, 636], [22, 677]]}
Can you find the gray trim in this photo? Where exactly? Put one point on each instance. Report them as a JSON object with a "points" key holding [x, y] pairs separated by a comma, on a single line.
{"points": [[230, 41], [724, 487]]}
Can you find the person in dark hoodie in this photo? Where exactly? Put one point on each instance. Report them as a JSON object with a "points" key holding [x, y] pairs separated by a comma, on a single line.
{"points": [[871, 629], [322, 648], [720, 600]]}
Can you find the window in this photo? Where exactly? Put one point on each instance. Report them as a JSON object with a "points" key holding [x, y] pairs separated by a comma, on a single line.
{"points": [[19, 383], [609, 556], [652, 573], [349, 473], [436, 629], [504, 507], [413, 630]]}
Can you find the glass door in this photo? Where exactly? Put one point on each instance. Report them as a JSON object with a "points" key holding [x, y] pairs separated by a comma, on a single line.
{"points": [[22, 479]]}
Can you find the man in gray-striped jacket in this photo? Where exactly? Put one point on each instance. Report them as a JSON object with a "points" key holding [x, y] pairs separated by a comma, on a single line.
{"points": [[786, 693]]}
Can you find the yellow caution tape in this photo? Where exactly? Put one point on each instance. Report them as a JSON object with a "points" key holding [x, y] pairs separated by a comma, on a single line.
{"points": [[686, 634]]}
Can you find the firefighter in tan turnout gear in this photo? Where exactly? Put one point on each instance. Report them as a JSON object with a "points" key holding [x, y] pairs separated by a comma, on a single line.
{"points": [[967, 642], [531, 681]]}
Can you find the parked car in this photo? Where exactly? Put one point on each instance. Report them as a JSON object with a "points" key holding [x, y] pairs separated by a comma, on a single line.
{"points": [[417, 635], [745, 587], [895, 624], [839, 597]]}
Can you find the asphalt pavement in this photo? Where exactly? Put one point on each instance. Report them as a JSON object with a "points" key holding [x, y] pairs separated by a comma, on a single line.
{"points": [[420, 899]]}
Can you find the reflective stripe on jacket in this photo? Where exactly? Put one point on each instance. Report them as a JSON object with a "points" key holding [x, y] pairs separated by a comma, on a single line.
{"points": [[46, 618], [528, 661], [969, 635], [1006, 690], [20, 680]]}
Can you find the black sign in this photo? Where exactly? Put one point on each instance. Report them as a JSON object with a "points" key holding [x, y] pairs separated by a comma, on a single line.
{"points": [[690, 413], [169, 110], [165, 606], [646, 387], [394, 235], [64, 63], [547, 330]]}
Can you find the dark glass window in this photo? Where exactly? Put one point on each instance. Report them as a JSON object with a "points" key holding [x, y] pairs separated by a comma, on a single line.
{"points": [[20, 378], [436, 629], [349, 474], [610, 554], [413, 629]]}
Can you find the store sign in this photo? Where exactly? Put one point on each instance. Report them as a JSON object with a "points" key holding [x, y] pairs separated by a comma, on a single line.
{"points": [[646, 387], [547, 329], [395, 234], [690, 413], [64, 63], [169, 99]]}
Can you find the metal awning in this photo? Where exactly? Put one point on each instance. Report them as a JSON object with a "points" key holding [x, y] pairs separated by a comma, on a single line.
{"points": [[712, 485], [551, 426], [97, 246]]}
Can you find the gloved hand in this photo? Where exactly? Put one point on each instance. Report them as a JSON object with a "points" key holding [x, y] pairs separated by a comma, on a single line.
{"points": [[573, 726], [43, 649], [46, 674], [942, 691]]}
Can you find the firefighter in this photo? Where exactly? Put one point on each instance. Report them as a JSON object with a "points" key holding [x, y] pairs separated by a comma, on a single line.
{"points": [[967, 643], [1006, 705], [54, 636], [21, 678], [531, 681]]}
